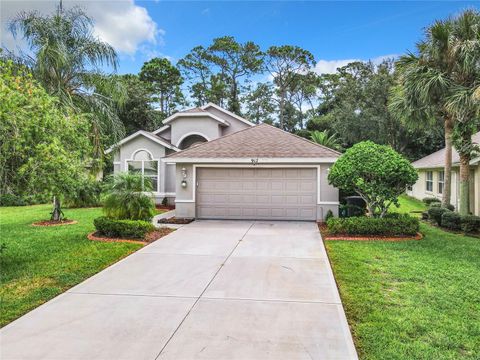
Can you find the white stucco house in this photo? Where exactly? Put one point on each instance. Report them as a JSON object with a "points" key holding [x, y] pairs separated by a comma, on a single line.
{"points": [[214, 164], [431, 178]]}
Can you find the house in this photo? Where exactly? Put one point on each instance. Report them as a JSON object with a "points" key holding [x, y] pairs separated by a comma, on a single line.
{"points": [[431, 178], [214, 164]]}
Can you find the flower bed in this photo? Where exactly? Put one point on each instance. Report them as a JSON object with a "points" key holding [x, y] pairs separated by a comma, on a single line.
{"points": [[148, 238]]}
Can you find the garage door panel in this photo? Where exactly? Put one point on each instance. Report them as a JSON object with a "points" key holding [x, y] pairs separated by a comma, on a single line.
{"points": [[262, 193]]}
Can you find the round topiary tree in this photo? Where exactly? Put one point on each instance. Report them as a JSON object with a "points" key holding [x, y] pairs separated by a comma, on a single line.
{"points": [[375, 172]]}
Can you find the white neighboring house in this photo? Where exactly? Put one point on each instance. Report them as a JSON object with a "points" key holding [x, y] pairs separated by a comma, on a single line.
{"points": [[431, 178], [215, 164]]}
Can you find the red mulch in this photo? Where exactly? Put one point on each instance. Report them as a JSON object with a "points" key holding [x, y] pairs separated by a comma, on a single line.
{"points": [[150, 237], [163, 207], [174, 220], [326, 236], [54, 223]]}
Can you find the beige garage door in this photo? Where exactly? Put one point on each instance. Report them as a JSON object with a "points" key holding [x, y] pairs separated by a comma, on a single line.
{"points": [[259, 193]]}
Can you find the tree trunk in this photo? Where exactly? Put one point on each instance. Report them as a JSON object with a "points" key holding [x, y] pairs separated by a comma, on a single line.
{"points": [[57, 210], [282, 109], [447, 181], [464, 184]]}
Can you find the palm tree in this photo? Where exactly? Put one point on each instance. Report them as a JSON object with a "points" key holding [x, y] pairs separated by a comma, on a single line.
{"points": [[439, 82], [67, 59], [324, 138]]}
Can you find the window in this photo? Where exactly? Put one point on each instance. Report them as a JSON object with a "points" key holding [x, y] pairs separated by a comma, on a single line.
{"points": [[142, 163], [441, 181], [429, 181]]}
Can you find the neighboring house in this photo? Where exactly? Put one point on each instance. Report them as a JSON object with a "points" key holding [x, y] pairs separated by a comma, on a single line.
{"points": [[431, 178], [216, 165]]}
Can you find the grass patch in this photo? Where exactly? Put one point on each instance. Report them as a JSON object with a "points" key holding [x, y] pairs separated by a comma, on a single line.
{"points": [[414, 299], [41, 262], [409, 204]]}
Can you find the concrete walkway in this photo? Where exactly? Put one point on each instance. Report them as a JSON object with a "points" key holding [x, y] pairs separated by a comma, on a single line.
{"points": [[210, 290]]}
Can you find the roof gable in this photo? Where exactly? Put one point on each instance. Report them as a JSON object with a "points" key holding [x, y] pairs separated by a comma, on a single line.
{"points": [[261, 141], [146, 134], [205, 107]]}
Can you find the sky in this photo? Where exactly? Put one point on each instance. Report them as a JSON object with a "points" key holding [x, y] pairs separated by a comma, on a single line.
{"points": [[334, 32]]}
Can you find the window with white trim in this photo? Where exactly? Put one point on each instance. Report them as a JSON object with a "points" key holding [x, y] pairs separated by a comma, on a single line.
{"points": [[142, 163], [429, 181], [441, 181]]}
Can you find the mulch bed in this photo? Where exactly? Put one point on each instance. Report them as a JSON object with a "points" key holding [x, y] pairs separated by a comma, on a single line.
{"points": [[174, 220], [150, 237], [54, 223], [167, 208], [326, 236]]}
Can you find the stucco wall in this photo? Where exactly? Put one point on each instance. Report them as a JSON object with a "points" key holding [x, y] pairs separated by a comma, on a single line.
{"points": [[419, 189], [235, 124], [185, 201], [205, 126]]}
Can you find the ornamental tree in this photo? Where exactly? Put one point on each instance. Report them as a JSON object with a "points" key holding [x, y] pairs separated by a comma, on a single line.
{"points": [[377, 173]]}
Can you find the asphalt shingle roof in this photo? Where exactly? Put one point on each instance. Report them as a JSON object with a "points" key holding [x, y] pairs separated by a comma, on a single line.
{"points": [[437, 159], [261, 141]]}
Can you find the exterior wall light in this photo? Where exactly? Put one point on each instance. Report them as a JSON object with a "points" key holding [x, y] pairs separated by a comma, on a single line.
{"points": [[184, 176]]}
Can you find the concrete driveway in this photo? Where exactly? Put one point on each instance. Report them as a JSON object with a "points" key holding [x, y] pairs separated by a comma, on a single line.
{"points": [[210, 290]]}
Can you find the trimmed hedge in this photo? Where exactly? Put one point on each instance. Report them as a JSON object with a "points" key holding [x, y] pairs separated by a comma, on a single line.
{"points": [[430, 200], [470, 223], [127, 229], [451, 220], [435, 213], [393, 225]]}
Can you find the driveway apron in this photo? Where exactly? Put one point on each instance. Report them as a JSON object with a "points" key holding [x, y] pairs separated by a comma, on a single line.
{"points": [[209, 290]]}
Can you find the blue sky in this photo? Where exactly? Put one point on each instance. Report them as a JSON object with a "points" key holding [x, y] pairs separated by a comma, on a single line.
{"points": [[330, 30], [335, 32]]}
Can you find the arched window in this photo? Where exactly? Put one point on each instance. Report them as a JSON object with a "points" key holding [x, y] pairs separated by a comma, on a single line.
{"points": [[143, 163]]}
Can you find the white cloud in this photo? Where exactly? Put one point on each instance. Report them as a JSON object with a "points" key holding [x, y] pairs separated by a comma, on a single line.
{"points": [[123, 24], [331, 66]]}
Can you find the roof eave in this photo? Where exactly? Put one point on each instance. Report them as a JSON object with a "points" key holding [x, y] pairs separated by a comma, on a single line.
{"points": [[251, 161]]}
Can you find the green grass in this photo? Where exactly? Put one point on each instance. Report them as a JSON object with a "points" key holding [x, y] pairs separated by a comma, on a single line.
{"points": [[413, 299], [409, 204], [42, 262]]}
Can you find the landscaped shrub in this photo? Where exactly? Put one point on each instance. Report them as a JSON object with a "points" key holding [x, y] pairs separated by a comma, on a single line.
{"points": [[451, 220], [450, 207], [127, 197], [430, 200], [377, 173], [435, 213], [85, 194], [470, 223], [328, 215], [435, 204], [126, 229], [395, 225], [424, 215], [12, 200]]}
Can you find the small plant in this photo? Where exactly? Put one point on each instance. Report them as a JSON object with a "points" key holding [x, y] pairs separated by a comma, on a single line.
{"points": [[127, 198], [127, 229], [165, 202], [12, 200], [435, 213], [329, 215], [435, 204], [451, 220], [470, 223], [430, 200]]}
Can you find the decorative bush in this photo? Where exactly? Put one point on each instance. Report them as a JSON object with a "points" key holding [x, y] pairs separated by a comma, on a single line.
{"points": [[435, 213], [470, 223], [435, 204], [401, 224], [329, 215], [450, 207], [451, 220], [12, 200], [430, 200], [127, 197], [85, 194], [424, 215], [126, 229], [375, 172]]}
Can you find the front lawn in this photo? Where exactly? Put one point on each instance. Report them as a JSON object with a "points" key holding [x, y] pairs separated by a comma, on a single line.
{"points": [[42, 262], [413, 299]]}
